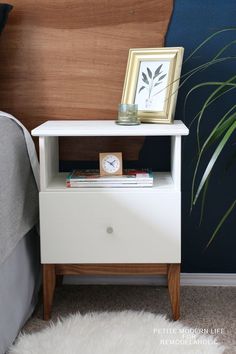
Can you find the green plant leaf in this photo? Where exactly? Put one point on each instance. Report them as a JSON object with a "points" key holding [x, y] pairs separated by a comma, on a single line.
{"points": [[210, 97], [157, 83], [158, 71], [149, 73], [210, 83], [204, 199], [213, 95], [219, 130], [218, 227], [201, 68], [213, 159], [208, 39], [194, 71], [209, 103], [224, 49], [215, 134]]}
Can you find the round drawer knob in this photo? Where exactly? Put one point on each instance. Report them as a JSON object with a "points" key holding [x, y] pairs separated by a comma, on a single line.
{"points": [[109, 230]]}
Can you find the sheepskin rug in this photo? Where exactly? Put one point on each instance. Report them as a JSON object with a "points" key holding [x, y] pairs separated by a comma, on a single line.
{"points": [[124, 332]]}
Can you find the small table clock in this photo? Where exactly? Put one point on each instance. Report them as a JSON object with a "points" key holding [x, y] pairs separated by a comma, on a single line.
{"points": [[110, 163]]}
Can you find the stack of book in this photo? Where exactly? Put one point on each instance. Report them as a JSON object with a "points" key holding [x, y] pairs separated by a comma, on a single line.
{"points": [[92, 178]]}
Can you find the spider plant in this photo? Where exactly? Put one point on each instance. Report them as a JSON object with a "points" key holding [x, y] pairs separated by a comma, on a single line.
{"points": [[219, 137]]}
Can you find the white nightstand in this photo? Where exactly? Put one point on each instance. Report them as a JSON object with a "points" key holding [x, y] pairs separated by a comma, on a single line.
{"points": [[76, 224]]}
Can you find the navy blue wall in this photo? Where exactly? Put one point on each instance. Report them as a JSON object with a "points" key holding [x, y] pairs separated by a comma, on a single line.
{"points": [[191, 23]]}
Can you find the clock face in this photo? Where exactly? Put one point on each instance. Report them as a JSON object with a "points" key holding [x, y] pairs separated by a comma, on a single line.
{"points": [[110, 163]]}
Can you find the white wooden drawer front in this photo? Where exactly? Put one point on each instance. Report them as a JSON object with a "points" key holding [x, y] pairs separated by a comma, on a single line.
{"points": [[110, 227]]}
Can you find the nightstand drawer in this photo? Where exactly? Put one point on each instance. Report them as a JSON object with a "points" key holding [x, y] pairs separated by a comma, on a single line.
{"points": [[110, 227]]}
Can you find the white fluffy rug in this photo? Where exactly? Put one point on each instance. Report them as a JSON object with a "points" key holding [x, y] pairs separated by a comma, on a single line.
{"points": [[124, 332]]}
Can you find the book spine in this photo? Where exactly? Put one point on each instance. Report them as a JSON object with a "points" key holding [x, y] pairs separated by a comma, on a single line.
{"points": [[110, 182], [105, 185], [114, 186]]}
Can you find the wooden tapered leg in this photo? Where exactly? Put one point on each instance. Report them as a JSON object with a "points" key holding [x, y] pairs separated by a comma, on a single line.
{"points": [[174, 289], [49, 283]]}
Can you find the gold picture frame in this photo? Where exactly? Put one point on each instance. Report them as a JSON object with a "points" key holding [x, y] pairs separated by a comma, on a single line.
{"points": [[152, 81]]}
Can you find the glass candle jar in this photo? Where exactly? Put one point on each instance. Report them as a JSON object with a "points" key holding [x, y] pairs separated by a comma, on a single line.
{"points": [[128, 114]]}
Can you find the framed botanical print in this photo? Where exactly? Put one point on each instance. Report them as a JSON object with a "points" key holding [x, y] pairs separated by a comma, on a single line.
{"points": [[152, 81]]}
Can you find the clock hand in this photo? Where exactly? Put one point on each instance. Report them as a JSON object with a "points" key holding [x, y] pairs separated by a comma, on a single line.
{"points": [[111, 163]]}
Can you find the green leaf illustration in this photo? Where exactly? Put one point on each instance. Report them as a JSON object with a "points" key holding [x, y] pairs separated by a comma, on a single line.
{"points": [[157, 72], [162, 77], [156, 84], [149, 73], [141, 88], [145, 79]]}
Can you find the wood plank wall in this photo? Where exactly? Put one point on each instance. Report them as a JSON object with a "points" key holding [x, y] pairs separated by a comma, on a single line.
{"points": [[66, 59]]}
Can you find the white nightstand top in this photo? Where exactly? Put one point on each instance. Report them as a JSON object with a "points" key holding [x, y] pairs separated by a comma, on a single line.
{"points": [[107, 128]]}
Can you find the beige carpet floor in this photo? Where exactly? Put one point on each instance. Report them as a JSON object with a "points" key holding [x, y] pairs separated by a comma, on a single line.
{"points": [[212, 308]]}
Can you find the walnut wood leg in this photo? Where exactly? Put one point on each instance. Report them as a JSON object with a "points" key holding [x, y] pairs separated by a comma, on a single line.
{"points": [[174, 289], [49, 283]]}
